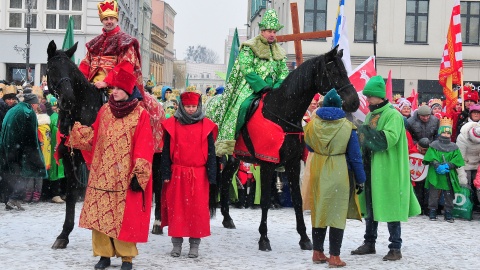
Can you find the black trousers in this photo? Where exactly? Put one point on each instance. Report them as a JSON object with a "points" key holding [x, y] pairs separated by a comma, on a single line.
{"points": [[335, 239]]}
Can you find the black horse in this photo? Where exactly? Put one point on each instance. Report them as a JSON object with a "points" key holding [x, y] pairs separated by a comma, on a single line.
{"points": [[78, 100], [286, 106]]}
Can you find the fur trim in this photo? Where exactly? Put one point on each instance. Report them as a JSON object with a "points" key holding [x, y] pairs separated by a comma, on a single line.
{"points": [[260, 47]]}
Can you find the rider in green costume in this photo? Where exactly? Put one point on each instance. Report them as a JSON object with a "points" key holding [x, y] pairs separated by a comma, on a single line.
{"points": [[260, 66]]}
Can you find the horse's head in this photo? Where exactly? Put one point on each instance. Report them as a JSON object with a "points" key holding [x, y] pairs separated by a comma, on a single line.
{"points": [[335, 76], [59, 74]]}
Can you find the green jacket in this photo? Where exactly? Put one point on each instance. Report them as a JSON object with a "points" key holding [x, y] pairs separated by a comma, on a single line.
{"points": [[384, 143], [439, 181], [20, 151]]}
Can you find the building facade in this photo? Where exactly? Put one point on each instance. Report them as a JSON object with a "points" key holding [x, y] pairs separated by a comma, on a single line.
{"points": [[410, 36], [203, 75], [48, 22]]}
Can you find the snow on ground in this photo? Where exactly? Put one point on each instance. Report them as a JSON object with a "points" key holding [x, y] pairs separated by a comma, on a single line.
{"points": [[26, 238]]}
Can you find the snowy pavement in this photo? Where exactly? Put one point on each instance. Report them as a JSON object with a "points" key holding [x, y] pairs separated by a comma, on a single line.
{"points": [[26, 238]]}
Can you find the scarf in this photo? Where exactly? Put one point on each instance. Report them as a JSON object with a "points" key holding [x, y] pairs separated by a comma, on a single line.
{"points": [[187, 119], [378, 106], [121, 109]]}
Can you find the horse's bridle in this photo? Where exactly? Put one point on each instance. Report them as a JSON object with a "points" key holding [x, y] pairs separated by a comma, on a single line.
{"points": [[326, 74]]}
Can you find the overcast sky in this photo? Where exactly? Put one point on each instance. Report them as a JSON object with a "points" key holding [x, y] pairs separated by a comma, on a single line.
{"points": [[206, 22]]}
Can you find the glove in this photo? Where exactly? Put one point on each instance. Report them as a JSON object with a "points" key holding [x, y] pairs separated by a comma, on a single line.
{"points": [[134, 185], [442, 169], [359, 188]]}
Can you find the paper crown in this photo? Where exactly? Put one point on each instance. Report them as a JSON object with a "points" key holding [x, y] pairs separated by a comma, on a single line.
{"points": [[37, 91], [44, 78], [446, 122], [10, 89], [396, 97], [435, 101], [108, 8]]}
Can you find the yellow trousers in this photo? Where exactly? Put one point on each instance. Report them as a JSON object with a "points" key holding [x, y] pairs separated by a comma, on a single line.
{"points": [[105, 246]]}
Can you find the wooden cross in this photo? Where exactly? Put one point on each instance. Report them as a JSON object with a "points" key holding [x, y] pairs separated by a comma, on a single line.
{"points": [[297, 37]]}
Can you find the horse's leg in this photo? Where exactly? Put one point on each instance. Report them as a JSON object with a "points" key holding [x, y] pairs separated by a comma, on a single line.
{"points": [[293, 174], [157, 190], [71, 199], [230, 167], [266, 173]]}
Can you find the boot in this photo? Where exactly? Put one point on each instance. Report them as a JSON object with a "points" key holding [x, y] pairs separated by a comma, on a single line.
{"points": [[448, 217], [335, 262], [103, 263], [319, 257], [364, 249], [194, 243], [126, 263], [57, 199], [28, 196], [432, 215], [14, 204], [177, 246], [393, 255], [36, 197]]}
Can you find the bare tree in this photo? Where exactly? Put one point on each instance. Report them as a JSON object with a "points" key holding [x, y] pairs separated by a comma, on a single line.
{"points": [[201, 54]]}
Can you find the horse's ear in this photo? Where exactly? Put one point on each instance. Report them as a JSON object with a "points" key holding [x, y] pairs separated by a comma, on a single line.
{"points": [[340, 53], [72, 50], [52, 47]]}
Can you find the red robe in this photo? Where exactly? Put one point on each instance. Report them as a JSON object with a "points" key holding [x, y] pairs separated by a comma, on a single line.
{"points": [[121, 147], [185, 198]]}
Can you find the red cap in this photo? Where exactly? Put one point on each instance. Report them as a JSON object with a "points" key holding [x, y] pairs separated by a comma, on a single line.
{"points": [[123, 80], [190, 98], [316, 97], [471, 95]]}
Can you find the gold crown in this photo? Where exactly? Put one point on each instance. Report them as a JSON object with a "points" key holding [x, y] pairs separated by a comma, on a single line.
{"points": [[446, 122], [37, 90], [108, 8], [397, 96], [44, 78], [191, 88], [10, 89]]}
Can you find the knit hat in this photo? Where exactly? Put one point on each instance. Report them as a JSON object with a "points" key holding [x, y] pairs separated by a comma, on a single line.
{"points": [[270, 21], [316, 97], [332, 99], [108, 8], [424, 142], [404, 103], [375, 87], [424, 110], [471, 95], [219, 90], [476, 132], [30, 98], [190, 98], [445, 125], [122, 79]]}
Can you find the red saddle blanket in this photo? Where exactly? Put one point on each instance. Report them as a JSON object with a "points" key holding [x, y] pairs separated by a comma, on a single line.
{"points": [[267, 138]]}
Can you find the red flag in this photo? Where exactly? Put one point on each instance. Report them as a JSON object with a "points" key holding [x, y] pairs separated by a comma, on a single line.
{"points": [[359, 77], [452, 62], [389, 86], [413, 98]]}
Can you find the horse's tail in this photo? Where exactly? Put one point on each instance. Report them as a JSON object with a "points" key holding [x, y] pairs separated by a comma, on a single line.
{"points": [[212, 202]]}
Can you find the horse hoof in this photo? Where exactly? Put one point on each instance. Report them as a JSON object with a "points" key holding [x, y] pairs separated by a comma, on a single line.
{"points": [[229, 224], [264, 245], [60, 244], [157, 229], [306, 245]]}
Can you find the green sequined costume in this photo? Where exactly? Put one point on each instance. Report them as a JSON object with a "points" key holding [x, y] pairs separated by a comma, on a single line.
{"points": [[258, 64]]}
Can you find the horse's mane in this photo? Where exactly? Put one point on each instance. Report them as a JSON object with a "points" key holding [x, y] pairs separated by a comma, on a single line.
{"points": [[302, 77]]}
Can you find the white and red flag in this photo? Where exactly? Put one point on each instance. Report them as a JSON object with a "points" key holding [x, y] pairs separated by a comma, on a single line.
{"points": [[452, 61], [359, 77]]}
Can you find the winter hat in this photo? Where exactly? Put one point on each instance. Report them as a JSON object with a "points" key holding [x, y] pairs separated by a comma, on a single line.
{"points": [[445, 125], [424, 110], [190, 98], [316, 97], [424, 142], [122, 79], [27, 90], [471, 95], [219, 90], [404, 103], [108, 8], [332, 99], [42, 108], [375, 87], [475, 132], [270, 21], [474, 107], [30, 98]]}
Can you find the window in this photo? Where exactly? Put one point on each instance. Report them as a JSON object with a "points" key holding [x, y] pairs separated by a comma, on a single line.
{"points": [[315, 15], [416, 21], [17, 14], [256, 6], [364, 12], [470, 22], [58, 12]]}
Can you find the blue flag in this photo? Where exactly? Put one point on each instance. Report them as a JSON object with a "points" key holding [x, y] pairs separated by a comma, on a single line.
{"points": [[340, 36]]}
